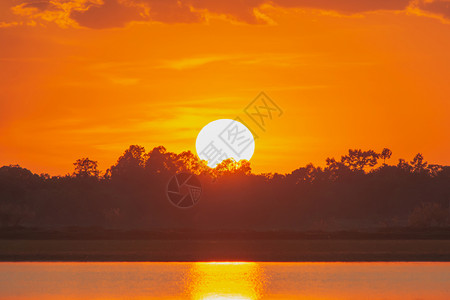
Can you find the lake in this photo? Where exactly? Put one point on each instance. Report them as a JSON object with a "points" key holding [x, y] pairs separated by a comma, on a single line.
{"points": [[224, 280]]}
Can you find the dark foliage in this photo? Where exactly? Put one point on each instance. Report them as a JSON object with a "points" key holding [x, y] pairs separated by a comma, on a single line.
{"points": [[350, 193]]}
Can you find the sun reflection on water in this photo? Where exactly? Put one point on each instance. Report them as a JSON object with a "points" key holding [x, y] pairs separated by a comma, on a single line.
{"points": [[225, 280]]}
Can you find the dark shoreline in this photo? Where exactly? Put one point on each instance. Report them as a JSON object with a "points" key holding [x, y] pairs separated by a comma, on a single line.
{"points": [[98, 244], [224, 250]]}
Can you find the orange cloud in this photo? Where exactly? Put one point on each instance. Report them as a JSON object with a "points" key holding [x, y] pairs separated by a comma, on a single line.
{"points": [[243, 11], [346, 6], [51, 11], [108, 13]]}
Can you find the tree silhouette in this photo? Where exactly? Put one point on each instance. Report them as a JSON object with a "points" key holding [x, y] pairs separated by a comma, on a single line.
{"points": [[404, 165], [308, 174], [130, 164], [84, 167], [230, 166], [345, 193], [418, 164], [336, 169], [159, 161], [357, 160], [385, 154]]}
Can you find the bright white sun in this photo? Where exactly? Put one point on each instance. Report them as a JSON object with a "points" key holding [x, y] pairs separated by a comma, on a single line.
{"points": [[222, 139]]}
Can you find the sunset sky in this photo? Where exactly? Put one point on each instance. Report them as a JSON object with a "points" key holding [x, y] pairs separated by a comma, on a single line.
{"points": [[88, 78]]}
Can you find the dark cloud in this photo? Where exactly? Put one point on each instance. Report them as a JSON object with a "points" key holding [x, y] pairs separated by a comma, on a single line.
{"points": [[117, 13], [171, 11], [437, 7], [187, 11], [6, 14], [110, 14], [346, 6], [42, 5]]}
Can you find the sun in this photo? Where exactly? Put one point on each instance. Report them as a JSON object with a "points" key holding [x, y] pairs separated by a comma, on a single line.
{"points": [[222, 139]]}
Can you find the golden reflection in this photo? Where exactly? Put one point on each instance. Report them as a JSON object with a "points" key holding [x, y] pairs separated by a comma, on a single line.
{"points": [[225, 280]]}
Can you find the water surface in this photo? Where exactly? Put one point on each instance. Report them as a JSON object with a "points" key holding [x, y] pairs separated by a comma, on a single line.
{"points": [[224, 280]]}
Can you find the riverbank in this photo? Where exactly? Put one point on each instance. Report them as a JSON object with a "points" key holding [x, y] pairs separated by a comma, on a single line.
{"points": [[225, 250]]}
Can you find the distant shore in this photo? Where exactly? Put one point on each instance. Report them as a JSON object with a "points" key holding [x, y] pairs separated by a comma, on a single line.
{"points": [[225, 250], [85, 245]]}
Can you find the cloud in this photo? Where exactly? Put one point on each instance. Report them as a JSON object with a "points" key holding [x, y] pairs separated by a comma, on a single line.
{"points": [[8, 24], [239, 10], [42, 6], [101, 14], [193, 62], [110, 13], [439, 7], [346, 6], [50, 11], [171, 11]]}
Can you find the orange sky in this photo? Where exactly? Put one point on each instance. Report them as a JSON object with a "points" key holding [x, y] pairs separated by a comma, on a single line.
{"points": [[90, 77]]}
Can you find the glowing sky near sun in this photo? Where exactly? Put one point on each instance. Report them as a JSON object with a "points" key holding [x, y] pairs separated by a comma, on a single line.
{"points": [[89, 78]]}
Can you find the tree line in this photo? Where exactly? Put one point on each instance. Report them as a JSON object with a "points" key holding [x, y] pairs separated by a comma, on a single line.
{"points": [[358, 191]]}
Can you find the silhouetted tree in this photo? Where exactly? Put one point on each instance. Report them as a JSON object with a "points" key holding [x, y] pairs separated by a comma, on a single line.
{"points": [[243, 167], [434, 170], [160, 161], [418, 164], [403, 165], [230, 166], [385, 154], [133, 194], [130, 164], [308, 174], [84, 167], [336, 169], [189, 162], [357, 160]]}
